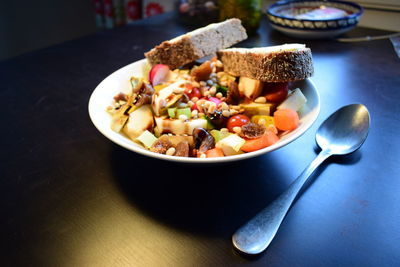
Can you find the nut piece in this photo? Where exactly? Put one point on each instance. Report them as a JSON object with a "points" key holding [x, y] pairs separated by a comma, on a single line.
{"points": [[182, 149], [237, 129], [161, 146], [252, 130], [261, 100], [226, 113], [170, 151]]}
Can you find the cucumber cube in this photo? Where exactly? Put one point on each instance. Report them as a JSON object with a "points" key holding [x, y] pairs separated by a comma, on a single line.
{"points": [[184, 111], [172, 113], [147, 139]]}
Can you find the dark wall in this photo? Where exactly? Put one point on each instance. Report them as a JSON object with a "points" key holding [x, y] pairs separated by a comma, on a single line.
{"points": [[26, 25]]}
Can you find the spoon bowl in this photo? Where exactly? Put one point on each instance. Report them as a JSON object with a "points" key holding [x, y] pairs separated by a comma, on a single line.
{"points": [[345, 130], [342, 133]]}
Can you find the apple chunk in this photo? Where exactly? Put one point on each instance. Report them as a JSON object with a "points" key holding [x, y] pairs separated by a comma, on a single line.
{"points": [[139, 121], [165, 125], [249, 87]]}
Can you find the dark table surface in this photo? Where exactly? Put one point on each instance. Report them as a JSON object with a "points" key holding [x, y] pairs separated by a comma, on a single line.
{"points": [[70, 197]]}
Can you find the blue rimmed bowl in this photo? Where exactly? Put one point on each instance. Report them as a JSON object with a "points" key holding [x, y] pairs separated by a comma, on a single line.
{"points": [[314, 19]]}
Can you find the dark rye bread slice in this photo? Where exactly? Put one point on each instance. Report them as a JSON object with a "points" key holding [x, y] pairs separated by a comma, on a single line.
{"points": [[197, 44], [283, 63]]}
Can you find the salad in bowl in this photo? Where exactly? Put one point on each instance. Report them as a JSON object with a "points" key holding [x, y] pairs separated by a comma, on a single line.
{"points": [[238, 104]]}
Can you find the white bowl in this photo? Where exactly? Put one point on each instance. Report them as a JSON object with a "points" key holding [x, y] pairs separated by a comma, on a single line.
{"points": [[119, 82]]}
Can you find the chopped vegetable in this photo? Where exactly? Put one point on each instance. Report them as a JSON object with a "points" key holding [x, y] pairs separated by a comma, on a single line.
{"points": [[267, 139], [263, 120], [119, 118], [136, 83], [139, 121], [251, 109], [210, 125], [217, 101], [295, 101], [219, 135], [249, 87], [237, 121], [172, 113], [158, 87], [132, 109], [214, 153], [159, 74], [147, 139], [286, 119], [176, 126], [184, 111], [191, 91], [231, 145]]}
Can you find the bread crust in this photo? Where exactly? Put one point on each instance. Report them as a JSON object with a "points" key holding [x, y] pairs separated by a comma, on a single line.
{"points": [[172, 54], [279, 66], [197, 44]]}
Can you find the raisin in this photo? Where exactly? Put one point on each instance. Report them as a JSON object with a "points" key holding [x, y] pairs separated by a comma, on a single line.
{"points": [[252, 130], [202, 72]]}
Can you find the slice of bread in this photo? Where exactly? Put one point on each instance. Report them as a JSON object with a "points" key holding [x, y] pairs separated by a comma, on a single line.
{"points": [[197, 44], [283, 63]]}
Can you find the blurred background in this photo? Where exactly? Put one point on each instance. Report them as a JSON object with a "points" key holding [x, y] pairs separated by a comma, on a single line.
{"points": [[29, 25]]}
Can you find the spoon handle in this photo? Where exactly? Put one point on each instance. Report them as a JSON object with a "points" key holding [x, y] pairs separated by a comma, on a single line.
{"points": [[255, 236]]}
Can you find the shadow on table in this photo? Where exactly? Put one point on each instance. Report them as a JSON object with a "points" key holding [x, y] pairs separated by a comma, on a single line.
{"points": [[211, 200], [206, 199]]}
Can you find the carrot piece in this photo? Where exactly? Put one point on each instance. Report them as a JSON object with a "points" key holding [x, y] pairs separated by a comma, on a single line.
{"points": [[286, 119], [214, 153], [267, 139]]}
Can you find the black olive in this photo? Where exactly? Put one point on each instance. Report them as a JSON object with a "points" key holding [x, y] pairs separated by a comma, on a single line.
{"points": [[199, 134], [203, 140], [217, 119]]}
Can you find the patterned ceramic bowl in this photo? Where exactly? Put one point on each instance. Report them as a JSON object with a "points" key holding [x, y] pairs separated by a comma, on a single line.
{"points": [[314, 19]]}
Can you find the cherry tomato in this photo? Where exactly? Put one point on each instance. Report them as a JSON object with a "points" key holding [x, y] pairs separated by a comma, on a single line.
{"points": [[237, 121], [194, 107], [191, 91], [276, 92]]}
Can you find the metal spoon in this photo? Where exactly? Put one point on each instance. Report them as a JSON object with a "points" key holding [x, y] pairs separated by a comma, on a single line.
{"points": [[342, 133]]}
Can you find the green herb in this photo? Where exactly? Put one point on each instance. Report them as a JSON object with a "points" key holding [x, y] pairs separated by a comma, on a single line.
{"points": [[222, 89], [210, 125]]}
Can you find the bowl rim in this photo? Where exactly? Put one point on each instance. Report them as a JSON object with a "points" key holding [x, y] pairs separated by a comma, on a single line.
{"points": [[309, 29], [93, 109], [288, 2]]}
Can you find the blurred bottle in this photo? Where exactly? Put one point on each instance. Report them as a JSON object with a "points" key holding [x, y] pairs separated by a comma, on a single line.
{"points": [[156, 7], [197, 12], [132, 10], [248, 11], [108, 14], [119, 12], [99, 13]]}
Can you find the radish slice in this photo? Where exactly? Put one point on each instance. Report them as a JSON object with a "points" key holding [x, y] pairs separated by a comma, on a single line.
{"points": [[158, 74], [217, 101]]}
